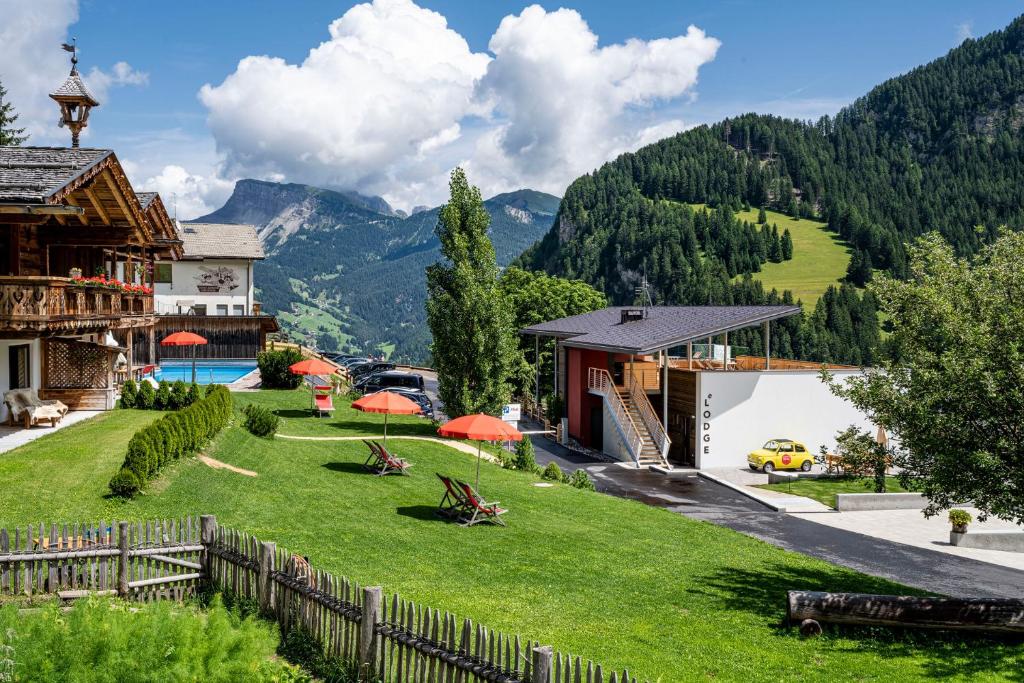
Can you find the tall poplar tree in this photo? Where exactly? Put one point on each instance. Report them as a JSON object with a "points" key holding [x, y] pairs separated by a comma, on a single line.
{"points": [[9, 135], [473, 347]]}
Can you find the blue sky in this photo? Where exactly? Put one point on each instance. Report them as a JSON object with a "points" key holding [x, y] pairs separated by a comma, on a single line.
{"points": [[791, 58]]}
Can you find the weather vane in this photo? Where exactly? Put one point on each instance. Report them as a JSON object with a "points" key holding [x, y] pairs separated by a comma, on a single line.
{"points": [[71, 47]]}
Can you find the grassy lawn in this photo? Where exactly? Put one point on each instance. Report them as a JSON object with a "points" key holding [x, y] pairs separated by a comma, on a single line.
{"points": [[609, 579], [825, 490], [820, 257]]}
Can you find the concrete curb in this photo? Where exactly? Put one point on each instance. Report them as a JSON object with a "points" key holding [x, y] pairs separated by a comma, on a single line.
{"points": [[990, 539], [859, 502], [786, 504]]}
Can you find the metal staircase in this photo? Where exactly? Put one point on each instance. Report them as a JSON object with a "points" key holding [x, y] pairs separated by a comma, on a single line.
{"points": [[634, 418]]}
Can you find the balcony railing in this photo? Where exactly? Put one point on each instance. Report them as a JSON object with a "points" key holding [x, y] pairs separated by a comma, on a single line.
{"points": [[57, 303]]}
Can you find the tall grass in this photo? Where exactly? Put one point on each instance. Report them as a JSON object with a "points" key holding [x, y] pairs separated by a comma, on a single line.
{"points": [[109, 640]]}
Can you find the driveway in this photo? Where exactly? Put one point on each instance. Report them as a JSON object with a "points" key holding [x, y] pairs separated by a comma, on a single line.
{"points": [[688, 494]]}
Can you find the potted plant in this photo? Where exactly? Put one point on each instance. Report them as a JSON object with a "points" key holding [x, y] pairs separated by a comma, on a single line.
{"points": [[75, 273], [960, 519]]}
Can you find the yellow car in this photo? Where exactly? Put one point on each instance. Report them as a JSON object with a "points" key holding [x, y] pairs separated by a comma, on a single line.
{"points": [[781, 454]]}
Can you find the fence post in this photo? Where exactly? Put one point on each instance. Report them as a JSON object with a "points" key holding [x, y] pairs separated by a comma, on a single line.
{"points": [[122, 565], [208, 536], [542, 657], [266, 585], [367, 631]]}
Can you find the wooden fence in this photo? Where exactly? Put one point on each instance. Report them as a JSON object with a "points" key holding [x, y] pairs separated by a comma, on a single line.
{"points": [[389, 639]]}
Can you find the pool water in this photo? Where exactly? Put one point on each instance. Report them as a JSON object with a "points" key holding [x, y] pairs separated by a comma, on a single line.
{"points": [[207, 371]]}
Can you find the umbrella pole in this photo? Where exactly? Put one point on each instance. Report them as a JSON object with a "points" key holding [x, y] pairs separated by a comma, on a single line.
{"points": [[193, 364], [385, 431], [479, 446]]}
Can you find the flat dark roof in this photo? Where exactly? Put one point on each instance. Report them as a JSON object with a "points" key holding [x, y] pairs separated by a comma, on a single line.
{"points": [[662, 327]]}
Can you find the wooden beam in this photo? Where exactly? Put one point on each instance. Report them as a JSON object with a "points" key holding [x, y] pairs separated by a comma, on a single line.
{"points": [[97, 205], [82, 218], [116, 191]]}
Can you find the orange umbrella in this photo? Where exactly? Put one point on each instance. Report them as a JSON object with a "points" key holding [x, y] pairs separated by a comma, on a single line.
{"points": [[312, 366], [185, 339], [480, 427], [388, 403]]}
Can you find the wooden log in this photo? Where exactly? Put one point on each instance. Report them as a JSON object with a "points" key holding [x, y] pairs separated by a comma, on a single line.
{"points": [[160, 580], [1002, 615], [58, 555]]}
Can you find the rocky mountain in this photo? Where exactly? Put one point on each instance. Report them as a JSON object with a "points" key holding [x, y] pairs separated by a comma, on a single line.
{"points": [[347, 271]]}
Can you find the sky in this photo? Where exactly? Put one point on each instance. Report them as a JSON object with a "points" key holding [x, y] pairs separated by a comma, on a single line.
{"points": [[386, 97]]}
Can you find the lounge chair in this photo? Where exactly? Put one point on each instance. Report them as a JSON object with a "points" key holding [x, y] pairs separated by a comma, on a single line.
{"points": [[454, 503], [24, 405], [373, 461], [389, 463], [479, 509], [322, 396]]}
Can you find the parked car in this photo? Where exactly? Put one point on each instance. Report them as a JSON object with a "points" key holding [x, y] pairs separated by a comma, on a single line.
{"points": [[389, 379], [419, 397], [354, 360], [781, 454], [368, 368]]}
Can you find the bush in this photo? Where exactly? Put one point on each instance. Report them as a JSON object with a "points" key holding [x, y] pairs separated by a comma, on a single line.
{"points": [[260, 421], [274, 368], [194, 394], [125, 483], [179, 395], [525, 458], [171, 437], [146, 397], [581, 480], [960, 518], [552, 472], [129, 394], [162, 400], [555, 407]]}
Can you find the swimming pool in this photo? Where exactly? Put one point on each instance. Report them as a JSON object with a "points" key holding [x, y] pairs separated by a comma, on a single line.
{"points": [[207, 371]]}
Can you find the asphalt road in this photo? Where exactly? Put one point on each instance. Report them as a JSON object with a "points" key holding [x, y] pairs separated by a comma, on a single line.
{"points": [[696, 497]]}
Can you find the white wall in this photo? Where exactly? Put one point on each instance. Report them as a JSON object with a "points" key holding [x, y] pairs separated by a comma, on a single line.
{"points": [[36, 369], [188, 276], [611, 438], [738, 411]]}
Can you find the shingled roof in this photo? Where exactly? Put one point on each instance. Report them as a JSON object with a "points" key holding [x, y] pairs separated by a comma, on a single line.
{"points": [[34, 174], [74, 87], [662, 327], [220, 240], [145, 199]]}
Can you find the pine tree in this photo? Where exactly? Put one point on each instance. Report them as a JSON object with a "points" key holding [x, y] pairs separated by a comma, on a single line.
{"points": [[9, 135], [762, 217], [775, 246], [787, 245], [471, 322]]}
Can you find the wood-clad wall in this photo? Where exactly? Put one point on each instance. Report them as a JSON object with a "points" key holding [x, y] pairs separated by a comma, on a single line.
{"points": [[228, 336], [682, 415]]}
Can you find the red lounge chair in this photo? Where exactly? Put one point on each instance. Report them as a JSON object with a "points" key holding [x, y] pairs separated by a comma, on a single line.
{"points": [[373, 461], [324, 404], [454, 503], [481, 510], [389, 463]]}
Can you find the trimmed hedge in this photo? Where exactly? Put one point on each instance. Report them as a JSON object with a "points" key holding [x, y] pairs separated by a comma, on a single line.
{"points": [[166, 396], [171, 437], [274, 372]]}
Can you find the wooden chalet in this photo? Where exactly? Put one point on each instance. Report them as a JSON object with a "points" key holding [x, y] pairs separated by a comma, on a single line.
{"points": [[67, 217]]}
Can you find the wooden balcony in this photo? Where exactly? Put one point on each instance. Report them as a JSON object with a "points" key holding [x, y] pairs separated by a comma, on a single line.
{"points": [[47, 305]]}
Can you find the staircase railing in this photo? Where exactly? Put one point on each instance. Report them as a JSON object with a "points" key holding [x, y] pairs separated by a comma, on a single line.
{"points": [[650, 418], [600, 381]]}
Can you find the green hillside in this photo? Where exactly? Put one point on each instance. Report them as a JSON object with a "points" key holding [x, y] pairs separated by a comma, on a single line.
{"points": [[820, 257]]}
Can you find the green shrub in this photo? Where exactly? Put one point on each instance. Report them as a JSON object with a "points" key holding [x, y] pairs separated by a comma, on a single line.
{"points": [[129, 393], [146, 396], [555, 407], [581, 480], [552, 472], [193, 394], [162, 400], [125, 483], [525, 458], [274, 371], [173, 436], [960, 518], [300, 647], [260, 421], [179, 395]]}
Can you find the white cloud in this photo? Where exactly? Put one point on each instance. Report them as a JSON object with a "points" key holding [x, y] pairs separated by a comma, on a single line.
{"points": [[964, 30], [395, 98], [186, 194], [32, 64]]}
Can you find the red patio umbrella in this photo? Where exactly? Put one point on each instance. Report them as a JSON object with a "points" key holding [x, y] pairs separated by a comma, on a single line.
{"points": [[312, 366], [480, 427], [388, 403], [185, 339]]}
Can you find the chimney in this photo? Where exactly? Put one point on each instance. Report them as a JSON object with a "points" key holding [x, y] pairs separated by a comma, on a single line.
{"points": [[630, 315]]}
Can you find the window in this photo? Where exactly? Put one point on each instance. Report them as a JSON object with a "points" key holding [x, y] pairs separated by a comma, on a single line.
{"points": [[18, 358], [800, 449], [162, 273], [239, 310], [222, 309], [199, 309]]}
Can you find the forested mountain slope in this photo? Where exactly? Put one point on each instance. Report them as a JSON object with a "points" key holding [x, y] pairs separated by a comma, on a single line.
{"points": [[939, 148], [347, 272]]}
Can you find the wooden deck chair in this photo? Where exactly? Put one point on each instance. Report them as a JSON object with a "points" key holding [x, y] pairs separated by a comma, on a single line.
{"points": [[390, 463], [454, 503], [480, 510], [322, 396], [373, 461]]}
